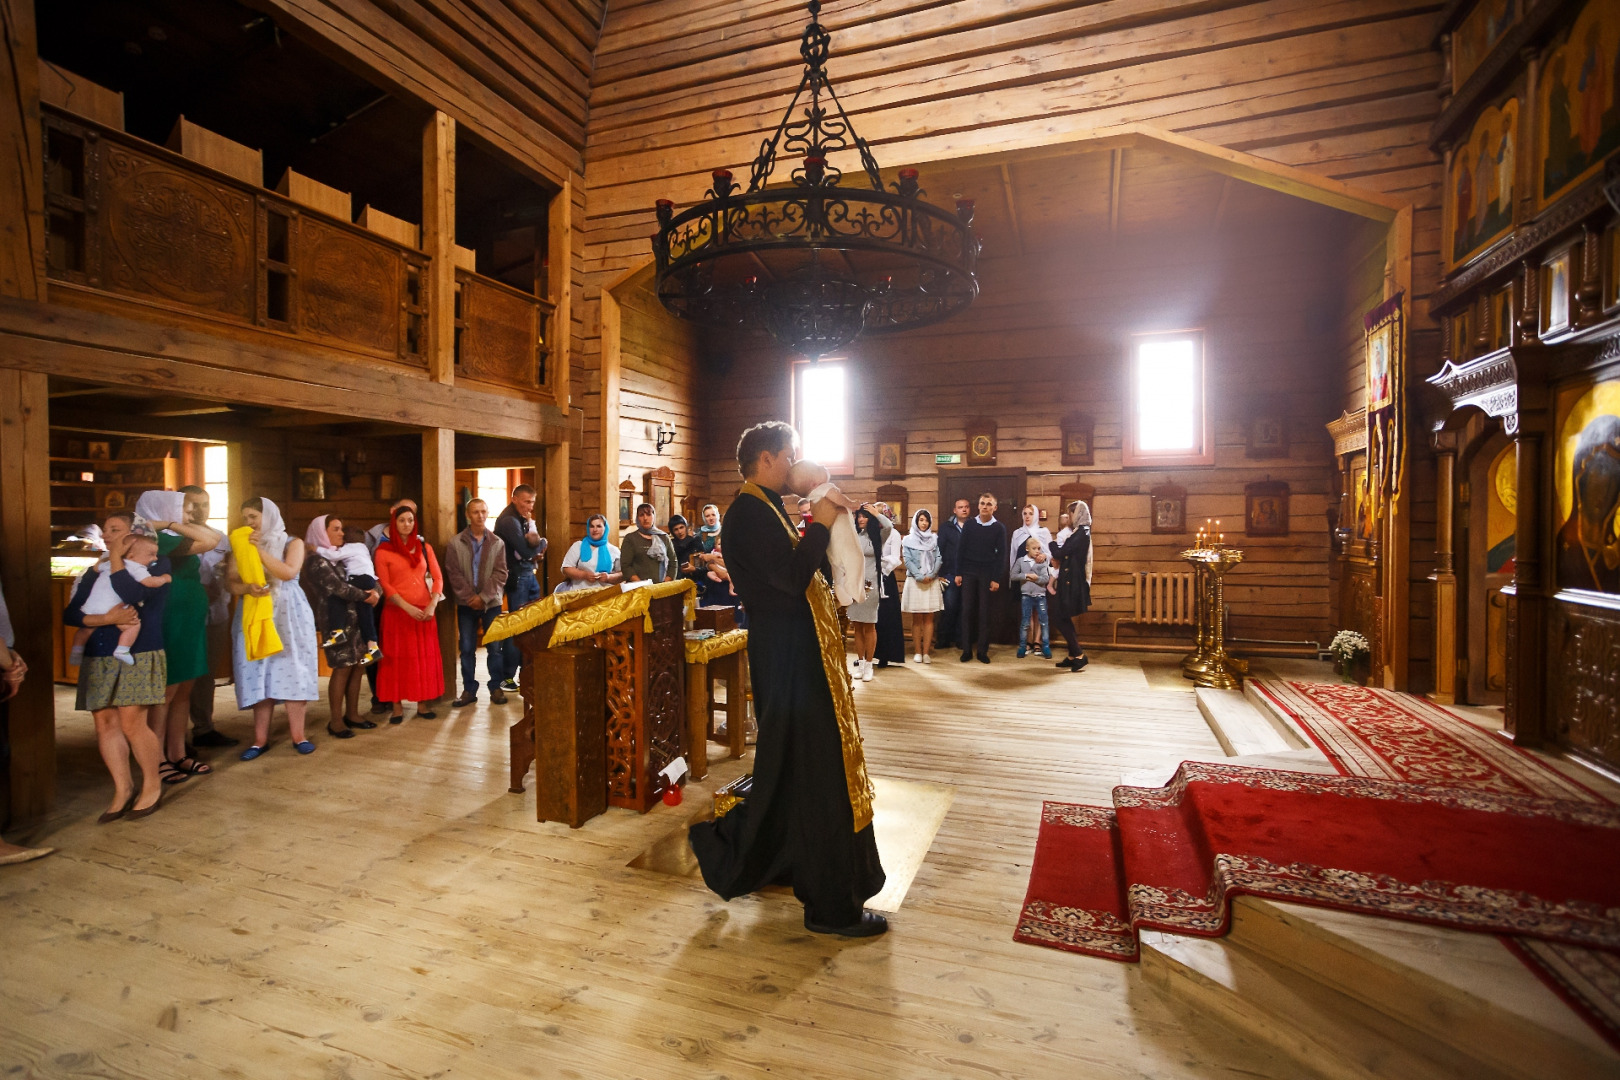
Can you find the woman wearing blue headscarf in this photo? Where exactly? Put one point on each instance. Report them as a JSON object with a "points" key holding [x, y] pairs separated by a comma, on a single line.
{"points": [[591, 562]]}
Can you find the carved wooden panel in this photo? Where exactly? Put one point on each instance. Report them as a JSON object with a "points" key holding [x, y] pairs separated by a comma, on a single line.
{"points": [[1358, 604], [623, 711], [1586, 678], [174, 235], [500, 332], [646, 704], [349, 287]]}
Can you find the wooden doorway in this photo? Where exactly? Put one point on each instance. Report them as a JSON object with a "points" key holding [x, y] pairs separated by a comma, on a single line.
{"points": [[1008, 486], [1492, 523]]}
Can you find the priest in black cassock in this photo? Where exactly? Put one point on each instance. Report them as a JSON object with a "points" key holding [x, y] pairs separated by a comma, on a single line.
{"points": [[807, 821]]}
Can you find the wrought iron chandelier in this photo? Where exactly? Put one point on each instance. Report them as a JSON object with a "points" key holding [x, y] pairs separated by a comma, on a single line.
{"points": [[813, 263]]}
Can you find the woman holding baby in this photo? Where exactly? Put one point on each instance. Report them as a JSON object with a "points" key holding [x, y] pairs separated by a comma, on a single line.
{"points": [[180, 519], [338, 604], [118, 690]]}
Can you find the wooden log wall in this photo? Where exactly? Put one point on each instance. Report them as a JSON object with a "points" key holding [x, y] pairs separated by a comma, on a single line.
{"points": [[658, 376], [1344, 90], [273, 459], [1049, 335]]}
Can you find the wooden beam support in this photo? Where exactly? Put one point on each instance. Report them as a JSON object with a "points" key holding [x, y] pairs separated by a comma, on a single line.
{"points": [[607, 496], [560, 288], [1012, 206], [22, 170], [104, 348], [439, 526], [439, 243], [1116, 166], [555, 481], [25, 574]]}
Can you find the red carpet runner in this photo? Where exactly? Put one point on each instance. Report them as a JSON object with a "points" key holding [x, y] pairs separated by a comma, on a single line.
{"points": [[1172, 858], [1367, 732]]}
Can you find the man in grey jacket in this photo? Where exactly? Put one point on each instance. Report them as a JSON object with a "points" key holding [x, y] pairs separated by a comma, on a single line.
{"points": [[475, 570]]}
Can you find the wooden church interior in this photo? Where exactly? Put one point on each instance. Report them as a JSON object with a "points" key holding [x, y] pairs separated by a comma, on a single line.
{"points": [[338, 252]]}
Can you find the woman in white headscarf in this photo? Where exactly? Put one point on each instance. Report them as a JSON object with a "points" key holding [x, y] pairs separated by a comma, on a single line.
{"points": [[924, 594], [1074, 582], [180, 520], [290, 675]]}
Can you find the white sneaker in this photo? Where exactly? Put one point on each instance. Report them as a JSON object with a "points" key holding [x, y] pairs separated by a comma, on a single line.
{"points": [[928, 658], [917, 659], [866, 671]]}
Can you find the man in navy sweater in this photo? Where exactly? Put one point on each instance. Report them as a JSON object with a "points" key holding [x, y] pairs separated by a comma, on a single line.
{"points": [[948, 626], [981, 559]]}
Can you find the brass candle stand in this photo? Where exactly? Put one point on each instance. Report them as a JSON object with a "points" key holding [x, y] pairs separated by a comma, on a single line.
{"points": [[1209, 664]]}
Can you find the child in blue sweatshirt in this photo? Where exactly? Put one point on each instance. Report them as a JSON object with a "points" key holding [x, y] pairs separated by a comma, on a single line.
{"points": [[1032, 571]]}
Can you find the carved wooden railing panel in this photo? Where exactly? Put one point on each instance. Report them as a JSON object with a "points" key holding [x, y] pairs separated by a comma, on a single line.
{"points": [[128, 218], [500, 333], [1586, 677], [646, 703], [349, 289], [169, 234], [666, 698]]}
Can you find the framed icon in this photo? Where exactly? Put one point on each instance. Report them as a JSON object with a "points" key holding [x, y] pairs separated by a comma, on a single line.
{"points": [[1168, 509], [981, 442], [1265, 509], [1078, 446], [311, 485], [889, 455]]}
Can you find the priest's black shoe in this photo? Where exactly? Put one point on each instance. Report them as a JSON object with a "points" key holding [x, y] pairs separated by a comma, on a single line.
{"points": [[871, 924], [967, 656], [984, 658]]}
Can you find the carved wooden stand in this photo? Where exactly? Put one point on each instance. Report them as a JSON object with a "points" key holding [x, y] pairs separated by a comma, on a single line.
{"points": [[646, 703]]}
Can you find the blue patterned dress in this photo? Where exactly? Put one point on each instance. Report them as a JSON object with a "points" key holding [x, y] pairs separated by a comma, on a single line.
{"points": [[291, 674]]}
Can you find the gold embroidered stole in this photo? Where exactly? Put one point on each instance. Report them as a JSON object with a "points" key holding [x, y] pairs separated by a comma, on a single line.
{"points": [[824, 606]]}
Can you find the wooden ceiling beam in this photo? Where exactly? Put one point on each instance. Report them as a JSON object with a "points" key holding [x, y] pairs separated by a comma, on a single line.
{"points": [[1012, 207], [1116, 166]]}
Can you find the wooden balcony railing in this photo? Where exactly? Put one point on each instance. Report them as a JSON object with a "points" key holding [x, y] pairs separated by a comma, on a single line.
{"points": [[131, 219]]}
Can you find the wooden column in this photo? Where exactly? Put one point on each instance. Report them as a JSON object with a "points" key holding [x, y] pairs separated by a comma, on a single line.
{"points": [[554, 519], [439, 243], [1445, 574], [25, 574], [25, 519], [1525, 717], [560, 287], [439, 526], [607, 494]]}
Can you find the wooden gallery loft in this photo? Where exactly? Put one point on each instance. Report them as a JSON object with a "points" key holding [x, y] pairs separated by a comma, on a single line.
{"points": [[363, 249]]}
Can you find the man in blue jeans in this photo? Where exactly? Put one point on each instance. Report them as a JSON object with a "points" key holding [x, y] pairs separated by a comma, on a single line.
{"points": [[475, 570], [524, 545]]}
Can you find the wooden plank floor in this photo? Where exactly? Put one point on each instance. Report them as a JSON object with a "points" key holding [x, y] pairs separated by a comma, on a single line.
{"points": [[383, 908]]}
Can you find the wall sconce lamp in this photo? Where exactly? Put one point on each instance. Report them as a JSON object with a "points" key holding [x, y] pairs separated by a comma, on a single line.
{"points": [[666, 435]]}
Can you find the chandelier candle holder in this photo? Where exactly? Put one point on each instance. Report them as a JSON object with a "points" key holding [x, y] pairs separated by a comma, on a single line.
{"points": [[811, 262], [1209, 664]]}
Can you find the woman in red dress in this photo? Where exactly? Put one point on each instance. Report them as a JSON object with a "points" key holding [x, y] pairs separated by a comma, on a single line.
{"points": [[411, 668]]}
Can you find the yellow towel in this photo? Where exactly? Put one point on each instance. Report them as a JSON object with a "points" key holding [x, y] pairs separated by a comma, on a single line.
{"points": [[259, 636]]}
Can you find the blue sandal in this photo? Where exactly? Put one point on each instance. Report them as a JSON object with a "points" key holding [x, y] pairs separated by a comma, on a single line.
{"points": [[305, 747], [252, 752]]}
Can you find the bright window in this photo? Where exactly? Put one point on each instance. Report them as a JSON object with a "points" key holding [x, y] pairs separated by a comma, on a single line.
{"points": [[821, 413], [492, 489], [1168, 424], [217, 482]]}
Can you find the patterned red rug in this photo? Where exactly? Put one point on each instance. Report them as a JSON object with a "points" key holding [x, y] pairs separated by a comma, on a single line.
{"points": [[1368, 732], [1388, 735], [1172, 858]]}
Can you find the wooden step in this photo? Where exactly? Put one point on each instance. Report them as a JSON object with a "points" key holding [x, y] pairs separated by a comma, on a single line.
{"points": [[1465, 990], [1311, 761], [1328, 1033], [1275, 716], [1240, 727]]}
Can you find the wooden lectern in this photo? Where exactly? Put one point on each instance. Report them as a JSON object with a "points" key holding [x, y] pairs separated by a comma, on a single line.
{"points": [[604, 709]]}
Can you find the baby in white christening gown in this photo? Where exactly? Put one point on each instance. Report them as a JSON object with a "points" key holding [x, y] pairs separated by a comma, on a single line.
{"points": [[810, 480]]}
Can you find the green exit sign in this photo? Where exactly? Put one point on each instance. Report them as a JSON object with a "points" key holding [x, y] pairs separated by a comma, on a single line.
{"points": [[947, 459]]}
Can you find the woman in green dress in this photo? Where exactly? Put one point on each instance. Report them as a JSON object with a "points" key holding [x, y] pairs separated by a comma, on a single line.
{"points": [[180, 519]]}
